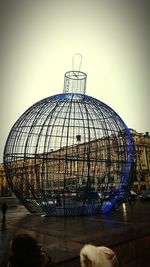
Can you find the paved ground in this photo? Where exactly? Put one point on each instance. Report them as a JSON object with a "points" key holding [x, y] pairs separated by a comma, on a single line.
{"points": [[63, 237]]}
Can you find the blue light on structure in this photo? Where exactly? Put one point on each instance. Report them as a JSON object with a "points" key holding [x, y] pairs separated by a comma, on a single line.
{"points": [[69, 154]]}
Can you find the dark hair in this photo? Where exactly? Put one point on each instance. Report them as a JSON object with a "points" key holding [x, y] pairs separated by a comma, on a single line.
{"points": [[25, 252]]}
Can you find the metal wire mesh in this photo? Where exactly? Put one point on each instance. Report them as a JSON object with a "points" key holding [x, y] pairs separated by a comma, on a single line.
{"points": [[75, 82], [69, 154]]}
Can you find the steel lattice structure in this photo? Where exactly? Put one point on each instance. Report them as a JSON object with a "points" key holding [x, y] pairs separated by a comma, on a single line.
{"points": [[69, 154]]}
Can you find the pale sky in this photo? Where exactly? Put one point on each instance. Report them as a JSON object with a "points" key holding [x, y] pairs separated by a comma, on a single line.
{"points": [[39, 39]]}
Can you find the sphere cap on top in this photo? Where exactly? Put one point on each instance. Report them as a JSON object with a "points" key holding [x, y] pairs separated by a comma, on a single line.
{"points": [[75, 80]]}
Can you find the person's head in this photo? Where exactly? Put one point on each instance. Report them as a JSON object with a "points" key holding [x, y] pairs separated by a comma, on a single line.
{"points": [[25, 252], [92, 256]]}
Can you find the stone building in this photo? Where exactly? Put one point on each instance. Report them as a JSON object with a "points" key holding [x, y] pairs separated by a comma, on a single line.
{"points": [[57, 169], [142, 157]]}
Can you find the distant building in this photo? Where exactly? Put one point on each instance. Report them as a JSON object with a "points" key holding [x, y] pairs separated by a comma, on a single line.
{"points": [[142, 157], [4, 187], [141, 172]]}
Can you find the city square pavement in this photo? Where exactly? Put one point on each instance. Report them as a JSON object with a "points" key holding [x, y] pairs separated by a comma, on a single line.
{"points": [[63, 237]]}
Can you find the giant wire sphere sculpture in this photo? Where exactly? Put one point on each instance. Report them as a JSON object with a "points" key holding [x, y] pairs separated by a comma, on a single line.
{"points": [[69, 154]]}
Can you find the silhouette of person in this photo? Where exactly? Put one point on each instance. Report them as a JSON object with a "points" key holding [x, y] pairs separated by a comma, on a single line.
{"points": [[3, 226], [58, 199], [25, 251], [4, 209]]}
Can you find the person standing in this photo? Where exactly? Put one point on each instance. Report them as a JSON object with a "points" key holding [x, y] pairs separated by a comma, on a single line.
{"points": [[4, 209]]}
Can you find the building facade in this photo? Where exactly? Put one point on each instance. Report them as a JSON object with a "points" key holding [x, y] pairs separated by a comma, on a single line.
{"points": [[142, 158], [57, 169]]}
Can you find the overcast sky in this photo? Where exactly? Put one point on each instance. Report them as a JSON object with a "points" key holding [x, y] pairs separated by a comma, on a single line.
{"points": [[39, 39]]}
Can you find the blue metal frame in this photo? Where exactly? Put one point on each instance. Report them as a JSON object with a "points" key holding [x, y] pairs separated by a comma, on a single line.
{"points": [[69, 154]]}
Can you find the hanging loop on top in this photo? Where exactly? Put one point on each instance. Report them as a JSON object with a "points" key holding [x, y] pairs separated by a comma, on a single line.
{"points": [[78, 58]]}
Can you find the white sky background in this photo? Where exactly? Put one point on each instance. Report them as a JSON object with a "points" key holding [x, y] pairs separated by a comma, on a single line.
{"points": [[39, 39]]}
